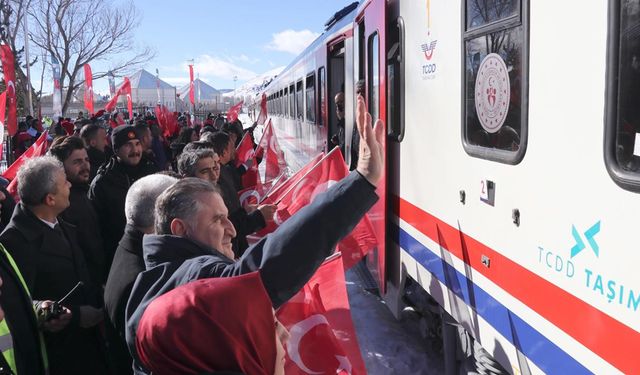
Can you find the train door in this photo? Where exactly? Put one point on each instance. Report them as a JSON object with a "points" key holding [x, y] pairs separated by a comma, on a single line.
{"points": [[370, 69], [336, 51]]}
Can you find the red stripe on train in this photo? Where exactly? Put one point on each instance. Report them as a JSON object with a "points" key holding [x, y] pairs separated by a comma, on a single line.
{"points": [[612, 340]]}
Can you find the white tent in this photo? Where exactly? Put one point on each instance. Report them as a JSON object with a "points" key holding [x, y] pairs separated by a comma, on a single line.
{"points": [[147, 90]]}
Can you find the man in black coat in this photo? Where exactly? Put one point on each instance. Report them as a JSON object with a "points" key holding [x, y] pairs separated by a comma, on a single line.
{"points": [[46, 251], [128, 261], [194, 235], [109, 189], [95, 139], [70, 151]]}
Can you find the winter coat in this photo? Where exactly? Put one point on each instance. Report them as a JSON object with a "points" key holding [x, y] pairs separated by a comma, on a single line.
{"points": [[243, 222], [286, 258], [127, 264], [82, 214], [107, 193], [51, 264], [96, 159]]}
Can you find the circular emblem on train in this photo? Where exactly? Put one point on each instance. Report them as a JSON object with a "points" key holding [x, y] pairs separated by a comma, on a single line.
{"points": [[492, 93]]}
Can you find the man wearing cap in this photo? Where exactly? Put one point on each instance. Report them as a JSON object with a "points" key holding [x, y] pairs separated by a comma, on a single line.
{"points": [[108, 190]]}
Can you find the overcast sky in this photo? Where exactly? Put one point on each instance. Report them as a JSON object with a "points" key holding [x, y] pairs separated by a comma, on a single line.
{"points": [[242, 38]]}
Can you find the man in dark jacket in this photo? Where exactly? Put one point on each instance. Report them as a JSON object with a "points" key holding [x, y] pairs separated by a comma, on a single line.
{"points": [[70, 151], [95, 139], [109, 189], [128, 261], [244, 223], [46, 251], [194, 235]]}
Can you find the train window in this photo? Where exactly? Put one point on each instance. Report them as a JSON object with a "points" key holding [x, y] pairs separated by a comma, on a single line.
{"points": [[361, 43], [299, 103], [285, 103], [321, 89], [395, 81], [374, 76], [622, 135], [292, 111], [310, 96], [495, 79], [483, 12]]}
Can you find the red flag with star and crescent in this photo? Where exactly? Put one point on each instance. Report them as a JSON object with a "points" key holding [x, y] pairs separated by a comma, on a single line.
{"points": [[38, 148], [232, 113], [8, 68], [273, 155], [124, 89], [322, 336], [88, 88], [324, 174]]}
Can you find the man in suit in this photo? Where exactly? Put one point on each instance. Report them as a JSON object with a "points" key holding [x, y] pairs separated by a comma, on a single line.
{"points": [[46, 252]]}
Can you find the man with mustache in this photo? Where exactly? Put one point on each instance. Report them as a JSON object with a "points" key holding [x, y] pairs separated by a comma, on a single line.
{"points": [[108, 190], [72, 154]]}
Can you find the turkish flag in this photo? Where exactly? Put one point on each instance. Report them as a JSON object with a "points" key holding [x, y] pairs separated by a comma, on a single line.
{"points": [[8, 67], [319, 179], [262, 117], [278, 192], [274, 156], [192, 95], [38, 148], [322, 337], [244, 151], [232, 114], [124, 89], [88, 88], [167, 121]]}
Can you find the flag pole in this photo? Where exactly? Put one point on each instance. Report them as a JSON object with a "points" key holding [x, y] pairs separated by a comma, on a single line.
{"points": [[26, 55]]}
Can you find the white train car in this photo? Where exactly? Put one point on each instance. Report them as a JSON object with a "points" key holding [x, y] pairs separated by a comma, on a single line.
{"points": [[513, 166]]}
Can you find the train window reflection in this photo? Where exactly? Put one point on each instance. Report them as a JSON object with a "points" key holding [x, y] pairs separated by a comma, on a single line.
{"points": [[622, 127], [310, 96], [292, 110], [495, 81], [482, 12], [374, 77], [299, 104]]}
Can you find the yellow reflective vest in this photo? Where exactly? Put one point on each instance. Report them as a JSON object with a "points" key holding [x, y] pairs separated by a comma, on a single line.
{"points": [[6, 341]]}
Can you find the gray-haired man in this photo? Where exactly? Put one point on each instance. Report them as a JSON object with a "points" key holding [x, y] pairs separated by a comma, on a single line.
{"points": [[46, 252]]}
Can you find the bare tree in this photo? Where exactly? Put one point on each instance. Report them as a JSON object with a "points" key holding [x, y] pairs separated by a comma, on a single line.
{"points": [[12, 13], [78, 32]]}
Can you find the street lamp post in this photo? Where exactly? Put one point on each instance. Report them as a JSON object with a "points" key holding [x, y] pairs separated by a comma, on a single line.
{"points": [[235, 79]]}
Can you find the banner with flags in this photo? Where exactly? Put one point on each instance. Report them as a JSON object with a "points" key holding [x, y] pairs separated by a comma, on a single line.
{"points": [[125, 89], [232, 114], [8, 67], [322, 336], [57, 88], [318, 179], [192, 93], [88, 88], [262, 117]]}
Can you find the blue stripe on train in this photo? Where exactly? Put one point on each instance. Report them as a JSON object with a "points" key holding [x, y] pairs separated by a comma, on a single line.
{"points": [[543, 352]]}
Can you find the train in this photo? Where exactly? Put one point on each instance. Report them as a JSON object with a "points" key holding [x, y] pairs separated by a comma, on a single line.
{"points": [[512, 169]]}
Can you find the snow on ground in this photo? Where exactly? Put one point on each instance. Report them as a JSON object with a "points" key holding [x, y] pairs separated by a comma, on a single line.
{"points": [[388, 346], [254, 86]]}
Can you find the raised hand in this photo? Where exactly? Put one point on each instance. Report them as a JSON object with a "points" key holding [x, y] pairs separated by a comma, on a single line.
{"points": [[371, 152]]}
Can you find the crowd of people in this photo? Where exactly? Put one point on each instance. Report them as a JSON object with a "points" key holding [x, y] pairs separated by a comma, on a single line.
{"points": [[128, 253]]}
